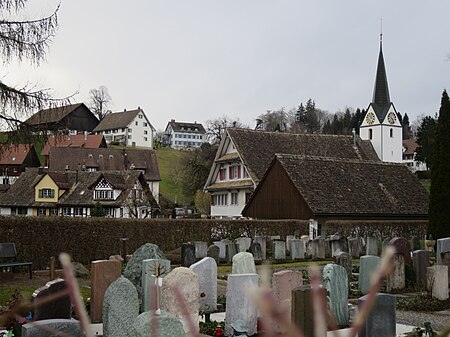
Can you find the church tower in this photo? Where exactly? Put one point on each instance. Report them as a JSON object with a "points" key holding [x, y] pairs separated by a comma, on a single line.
{"points": [[380, 124]]}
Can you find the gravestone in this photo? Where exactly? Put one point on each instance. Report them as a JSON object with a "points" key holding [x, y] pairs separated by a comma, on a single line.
{"points": [[327, 245], [151, 269], [262, 241], [443, 245], [297, 251], [437, 281], [133, 270], [318, 249], [103, 273], [45, 328], [445, 261], [256, 251], [344, 244], [206, 270], [371, 246], [187, 254], [401, 246], [415, 243], [221, 246], [201, 249], [214, 252], [239, 304], [345, 260], [421, 261], [58, 308], [335, 280], [283, 282], [385, 243], [382, 319], [231, 250], [243, 263], [243, 244], [166, 325], [396, 278], [289, 238], [335, 241], [186, 282], [301, 313], [120, 308], [279, 250], [355, 247], [367, 264]]}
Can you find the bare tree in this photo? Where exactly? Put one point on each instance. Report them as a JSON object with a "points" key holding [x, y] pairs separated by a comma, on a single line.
{"points": [[99, 101], [24, 40], [216, 127]]}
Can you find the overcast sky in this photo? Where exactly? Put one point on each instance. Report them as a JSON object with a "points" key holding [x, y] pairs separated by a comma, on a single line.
{"points": [[194, 60]]}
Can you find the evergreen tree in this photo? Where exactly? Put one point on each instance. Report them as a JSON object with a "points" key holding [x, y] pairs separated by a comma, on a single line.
{"points": [[300, 115], [439, 213], [406, 128], [425, 140], [311, 119]]}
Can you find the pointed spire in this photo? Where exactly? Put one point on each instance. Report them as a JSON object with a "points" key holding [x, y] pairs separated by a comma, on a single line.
{"points": [[381, 91]]}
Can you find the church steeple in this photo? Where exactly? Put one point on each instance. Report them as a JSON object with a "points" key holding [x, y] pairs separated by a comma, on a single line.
{"points": [[381, 90]]}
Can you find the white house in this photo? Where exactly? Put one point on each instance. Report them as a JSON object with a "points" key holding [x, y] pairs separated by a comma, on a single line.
{"points": [[409, 154], [129, 128], [182, 135], [381, 124]]}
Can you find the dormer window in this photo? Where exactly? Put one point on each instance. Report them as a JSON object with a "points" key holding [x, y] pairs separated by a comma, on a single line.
{"points": [[104, 195], [46, 193]]}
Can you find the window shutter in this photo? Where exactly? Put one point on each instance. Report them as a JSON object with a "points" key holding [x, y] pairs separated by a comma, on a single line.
{"points": [[52, 193], [230, 170], [40, 193], [212, 200], [239, 171]]}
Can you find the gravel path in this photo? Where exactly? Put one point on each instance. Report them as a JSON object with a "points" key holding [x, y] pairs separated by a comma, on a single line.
{"points": [[439, 319]]}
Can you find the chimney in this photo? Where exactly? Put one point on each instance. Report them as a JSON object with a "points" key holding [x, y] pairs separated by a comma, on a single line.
{"points": [[125, 161], [172, 120], [41, 170], [354, 137], [124, 110], [139, 108]]}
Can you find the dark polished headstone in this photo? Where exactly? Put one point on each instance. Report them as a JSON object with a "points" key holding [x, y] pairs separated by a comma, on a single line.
{"points": [[382, 318]]}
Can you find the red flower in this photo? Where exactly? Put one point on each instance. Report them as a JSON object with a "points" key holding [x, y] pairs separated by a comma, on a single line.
{"points": [[219, 331]]}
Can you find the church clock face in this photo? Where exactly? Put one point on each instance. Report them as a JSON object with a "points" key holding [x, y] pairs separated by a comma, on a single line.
{"points": [[370, 118], [392, 117]]}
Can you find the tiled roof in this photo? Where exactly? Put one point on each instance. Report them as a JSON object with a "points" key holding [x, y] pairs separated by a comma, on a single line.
{"points": [[346, 186], [410, 146], [117, 120], [187, 127], [14, 154], [257, 148], [86, 141], [105, 159], [52, 115], [228, 157]]}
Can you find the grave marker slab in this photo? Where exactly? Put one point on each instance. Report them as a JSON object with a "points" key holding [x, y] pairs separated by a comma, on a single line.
{"points": [[445, 261], [167, 325], [396, 279], [421, 261], [289, 238], [103, 273], [318, 249], [187, 254], [301, 313], [336, 247], [335, 280], [279, 250], [401, 246], [206, 270], [262, 241], [297, 250], [256, 251], [68, 327], [243, 263], [231, 250], [283, 282], [201, 249], [355, 247], [221, 246], [367, 264], [214, 252], [382, 319], [345, 260], [150, 269], [437, 281], [443, 245], [371, 246], [243, 244], [120, 308], [58, 308]]}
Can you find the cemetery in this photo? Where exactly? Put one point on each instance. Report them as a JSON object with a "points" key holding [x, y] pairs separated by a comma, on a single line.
{"points": [[206, 288]]}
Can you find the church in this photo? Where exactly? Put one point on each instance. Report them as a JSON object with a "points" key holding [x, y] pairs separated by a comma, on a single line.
{"points": [[381, 124]]}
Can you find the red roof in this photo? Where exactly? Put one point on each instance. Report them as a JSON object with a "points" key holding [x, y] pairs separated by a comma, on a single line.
{"points": [[85, 141], [14, 154], [410, 146]]}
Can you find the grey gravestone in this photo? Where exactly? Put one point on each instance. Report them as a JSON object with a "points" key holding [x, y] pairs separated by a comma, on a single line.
{"points": [[335, 241], [243, 263], [415, 243], [344, 244], [206, 270], [120, 308], [167, 325], [372, 246], [187, 254], [213, 251], [150, 269], [355, 247], [401, 246], [421, 261], [443, 245], [201, 249], [396, 278], [301, 313], [239, 304], [243, 244], [445, 261], [327, 248], [437, 281], [255, 249], [345, 260], [262, 241], [367, 264], [231, 250], [58, 308], [335, 280], [68, 327], [318, 249], [279, 250], [221, 246], [297, 251], [381, 320], [133, 270], [289, 238]]}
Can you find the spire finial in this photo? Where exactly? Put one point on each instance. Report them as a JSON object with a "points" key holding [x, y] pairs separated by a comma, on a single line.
{"points": [[381, 29]]}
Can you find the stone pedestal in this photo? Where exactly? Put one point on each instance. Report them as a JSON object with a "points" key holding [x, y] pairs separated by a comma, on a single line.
{"points": [[60, 327]]}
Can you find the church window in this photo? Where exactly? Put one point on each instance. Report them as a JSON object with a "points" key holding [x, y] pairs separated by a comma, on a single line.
{"points": [[391, 133], [370, 133]]}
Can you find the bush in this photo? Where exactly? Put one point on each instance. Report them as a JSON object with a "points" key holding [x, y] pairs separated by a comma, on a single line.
{"points": [[422, 302]]}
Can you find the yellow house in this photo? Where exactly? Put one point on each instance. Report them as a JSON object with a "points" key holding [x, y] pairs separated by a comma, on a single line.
{"points": [[48, 190]]}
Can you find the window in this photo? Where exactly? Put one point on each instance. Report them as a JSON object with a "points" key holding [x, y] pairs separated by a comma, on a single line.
{"points": [[78, 211], [235, 172], [5, 171], [123, 129], [184, 136], [129, 136], [92, 169], [121, 212], [219, 199], [370, 133], [234, 198], [189, 136], [42, 211], [201, 137], [46, 193], [53, 211], [136, 123], [22, 211], [108, 131], [104, 194], [391, 133], [222, 173], [115, 130], [145, 124], [13, 210], [247, 197], [66, 211], [145, 139], [145, 132], [130, 130], [140, 116]]}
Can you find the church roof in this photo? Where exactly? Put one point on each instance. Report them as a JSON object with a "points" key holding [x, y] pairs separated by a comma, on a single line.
{"points": [[381, 100]]}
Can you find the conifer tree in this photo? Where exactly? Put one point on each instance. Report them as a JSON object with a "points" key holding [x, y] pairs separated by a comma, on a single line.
{"points": [[439, 213]]}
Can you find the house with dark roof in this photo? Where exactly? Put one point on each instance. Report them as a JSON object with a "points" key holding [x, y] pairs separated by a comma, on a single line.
{"points": [[323, 189], [14, 158], [79, 193], [182, 135], [107, 159], [244, 155], [128, 128], [73, 141], [73, 119], [409, 156]]}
